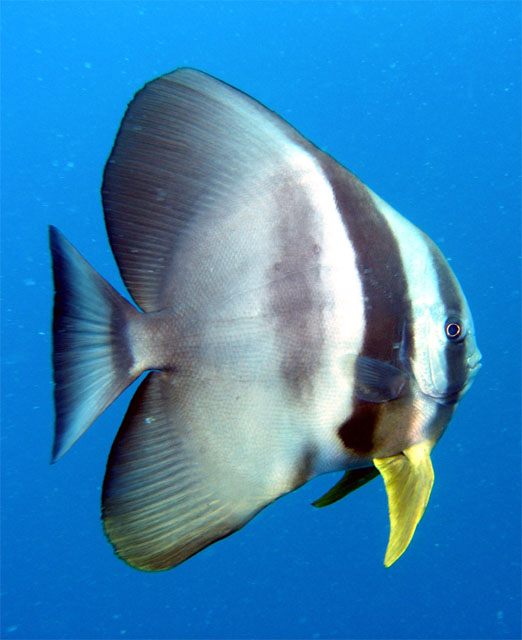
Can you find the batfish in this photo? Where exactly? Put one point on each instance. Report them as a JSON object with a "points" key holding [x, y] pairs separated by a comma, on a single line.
{"points": [[289, 322]]}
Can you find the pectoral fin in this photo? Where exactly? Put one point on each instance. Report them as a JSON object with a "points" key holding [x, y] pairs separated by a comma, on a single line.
{"points": [[377, 381], [408, 478], [352, 480]]}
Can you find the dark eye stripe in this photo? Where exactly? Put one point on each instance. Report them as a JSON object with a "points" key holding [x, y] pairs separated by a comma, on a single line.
{"points": [[455, 350]]}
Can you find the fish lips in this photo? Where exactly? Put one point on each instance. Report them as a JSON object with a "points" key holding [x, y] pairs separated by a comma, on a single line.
{"points": [[454, 392]]}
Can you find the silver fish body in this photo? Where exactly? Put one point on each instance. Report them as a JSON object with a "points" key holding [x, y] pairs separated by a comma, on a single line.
{"points": [[292, 323]]}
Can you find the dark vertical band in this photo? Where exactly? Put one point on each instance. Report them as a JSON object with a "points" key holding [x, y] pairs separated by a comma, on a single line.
{"points": [[387, 307]]}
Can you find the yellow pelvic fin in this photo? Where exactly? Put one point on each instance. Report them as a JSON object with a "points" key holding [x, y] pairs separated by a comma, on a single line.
{"points": [[408, 478]]}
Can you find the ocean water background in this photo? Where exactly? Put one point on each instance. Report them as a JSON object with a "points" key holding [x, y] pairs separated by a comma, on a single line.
{"points": [[422, 101]]}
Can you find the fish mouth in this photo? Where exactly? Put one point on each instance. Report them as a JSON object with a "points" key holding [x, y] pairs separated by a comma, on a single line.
{"points": [[455, 392], [474, 364]]}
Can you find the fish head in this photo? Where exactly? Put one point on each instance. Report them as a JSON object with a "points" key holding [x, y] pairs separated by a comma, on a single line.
{"points": [[446, 356], [452, 353]]}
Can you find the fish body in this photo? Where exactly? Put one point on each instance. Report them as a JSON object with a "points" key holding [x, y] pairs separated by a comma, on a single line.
{"points": [[290, 321]]}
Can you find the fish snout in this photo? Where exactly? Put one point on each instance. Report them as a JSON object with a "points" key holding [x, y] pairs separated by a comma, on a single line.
{"points": [[474, 362]]}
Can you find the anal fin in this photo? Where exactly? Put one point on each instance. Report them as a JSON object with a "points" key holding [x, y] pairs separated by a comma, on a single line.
{"points": [[170, 488]]}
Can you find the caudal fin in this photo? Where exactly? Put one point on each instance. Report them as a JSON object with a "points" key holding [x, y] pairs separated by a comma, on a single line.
{"points": [[92, 359]]}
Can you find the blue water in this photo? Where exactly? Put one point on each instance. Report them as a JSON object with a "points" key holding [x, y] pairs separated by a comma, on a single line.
{"points": [[422, 101]]}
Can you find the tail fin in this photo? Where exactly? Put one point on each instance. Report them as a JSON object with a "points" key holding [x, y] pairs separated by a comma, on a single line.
{"points": [[92, 358]]}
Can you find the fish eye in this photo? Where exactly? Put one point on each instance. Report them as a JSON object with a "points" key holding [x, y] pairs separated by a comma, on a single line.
{"points": [[454, 330]]}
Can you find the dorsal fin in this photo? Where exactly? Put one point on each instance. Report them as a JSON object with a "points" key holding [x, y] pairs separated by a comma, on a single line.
{"points": [[190, 150]]}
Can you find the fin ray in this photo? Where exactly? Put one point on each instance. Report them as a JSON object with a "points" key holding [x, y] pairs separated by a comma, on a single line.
{"points": [[191, 156], [378, 381], [91, 359], [168, 492]]}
